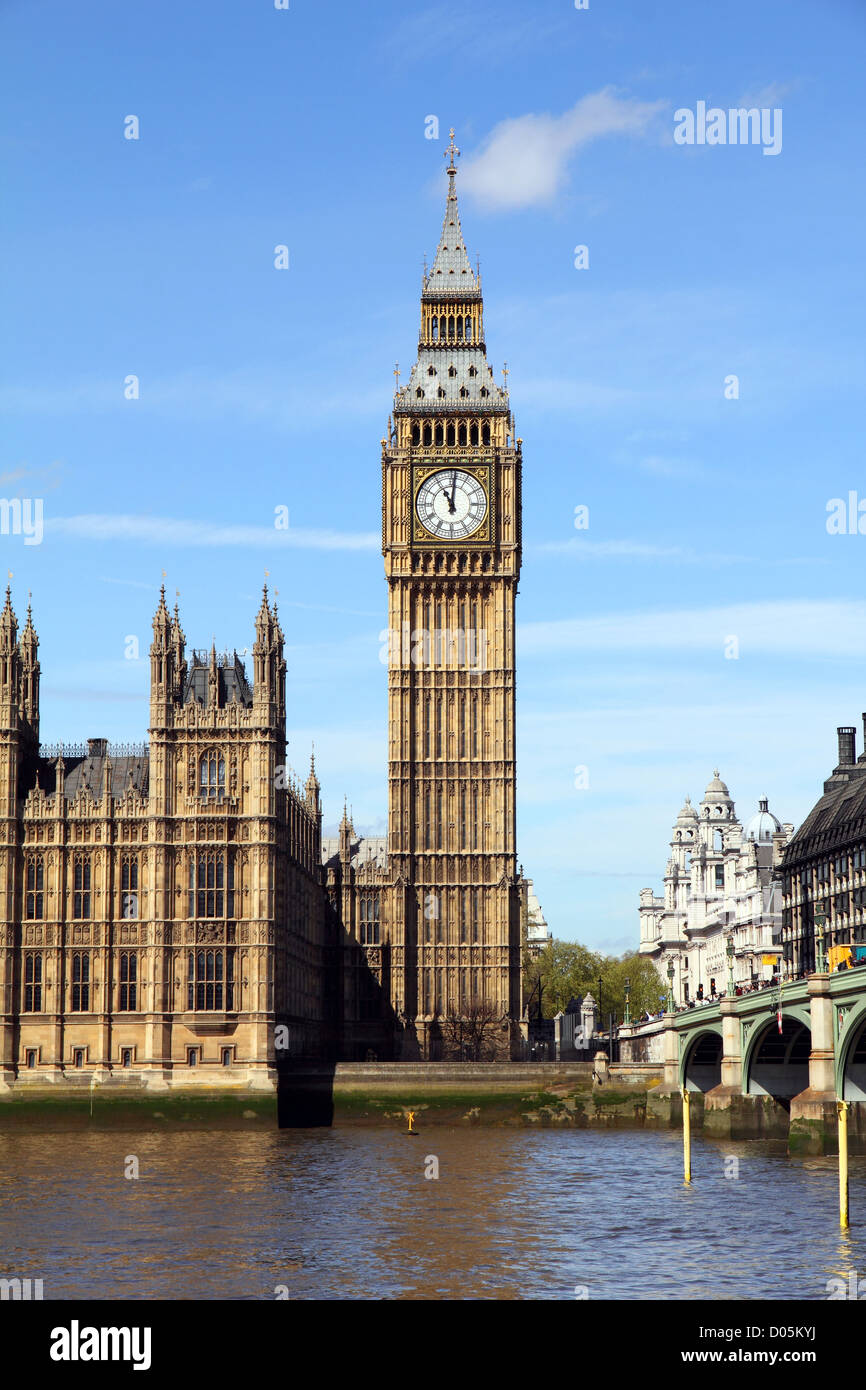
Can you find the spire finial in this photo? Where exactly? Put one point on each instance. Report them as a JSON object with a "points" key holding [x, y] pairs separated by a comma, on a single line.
{"points": [[397, 374], [451, 151]]}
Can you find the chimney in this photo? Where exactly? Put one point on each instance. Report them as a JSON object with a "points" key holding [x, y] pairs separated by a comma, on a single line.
{"points": [[97, 747], [847, 751]]}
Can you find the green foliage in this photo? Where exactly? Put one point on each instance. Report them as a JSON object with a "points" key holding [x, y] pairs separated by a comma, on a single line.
{"points": [[567, 969]]}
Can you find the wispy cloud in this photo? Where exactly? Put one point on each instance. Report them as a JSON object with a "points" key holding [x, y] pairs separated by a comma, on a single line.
{"points": [[180, 532], [524, 160], [798, 627], [633, 550], [770, 95], [254, 393], [26, 479], [660, 466]]}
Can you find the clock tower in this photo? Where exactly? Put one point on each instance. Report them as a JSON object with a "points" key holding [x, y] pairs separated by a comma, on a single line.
{"points": [[451, 537]]}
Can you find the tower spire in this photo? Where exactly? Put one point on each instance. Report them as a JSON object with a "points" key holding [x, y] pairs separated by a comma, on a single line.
{"points": [[451, 271]]}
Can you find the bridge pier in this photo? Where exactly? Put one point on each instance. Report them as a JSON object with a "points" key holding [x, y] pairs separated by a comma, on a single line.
{"points": [[813, 1125]]}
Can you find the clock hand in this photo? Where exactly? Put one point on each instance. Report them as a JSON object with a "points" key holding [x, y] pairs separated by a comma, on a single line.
{"points": [[451, 506], [453, 490]]}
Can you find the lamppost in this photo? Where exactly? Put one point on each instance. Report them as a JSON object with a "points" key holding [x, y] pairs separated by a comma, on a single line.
{"points": [[670, 984], [820, 923], [627, 1017], [729, 952]]}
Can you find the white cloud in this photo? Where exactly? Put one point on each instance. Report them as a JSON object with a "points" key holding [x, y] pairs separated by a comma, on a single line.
{"points": [[178, 531], [797, 627], [633, 550], [524, 159]]}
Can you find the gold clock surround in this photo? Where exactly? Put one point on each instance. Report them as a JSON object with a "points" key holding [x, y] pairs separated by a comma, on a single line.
{"points": [[485, 535]]}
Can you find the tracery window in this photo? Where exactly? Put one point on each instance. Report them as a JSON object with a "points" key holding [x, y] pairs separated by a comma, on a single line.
{"points": [[129, 885], [211, 885], [369, 925], [80, 886], [80, 981], [210, 980], [212, 775], [33, 982], [35, 884], [128, 987]]}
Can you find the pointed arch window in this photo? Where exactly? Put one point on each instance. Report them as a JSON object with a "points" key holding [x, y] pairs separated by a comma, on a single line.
{"points": [[212, 775], [81, 886], [210, 980], [452, 370], [428, 434], [369, 908], [416, 434], [420, 394], [473, 434], [129, 885], [473, 371], [464, 392], [431, 370], [128, 987], [441, 393], [485, 433], [35, 888], [461, 434], [80, 982], [468, 329], [211, 885], [449, 435], [33, 982], [434, 327]]}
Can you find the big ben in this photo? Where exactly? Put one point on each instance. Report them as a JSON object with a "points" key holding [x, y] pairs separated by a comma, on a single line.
{"points": [[451, 535]]}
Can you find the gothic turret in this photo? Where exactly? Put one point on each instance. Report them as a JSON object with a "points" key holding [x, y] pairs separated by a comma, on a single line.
{"points": [[161, 673], [8, 663], [313, 789], [269, 666], [28, 647]]}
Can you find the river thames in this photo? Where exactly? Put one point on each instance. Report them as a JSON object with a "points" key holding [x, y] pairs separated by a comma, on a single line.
{"points": [[347, 1213]]}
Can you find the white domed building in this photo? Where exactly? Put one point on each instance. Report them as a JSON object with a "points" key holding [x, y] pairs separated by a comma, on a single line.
{"points": [[718, 887]]}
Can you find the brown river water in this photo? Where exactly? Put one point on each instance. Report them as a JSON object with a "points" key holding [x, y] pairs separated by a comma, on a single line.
{"points": [[349, 1214]]}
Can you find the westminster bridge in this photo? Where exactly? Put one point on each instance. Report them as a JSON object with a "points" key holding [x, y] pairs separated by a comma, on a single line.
{"points": [[771, 1062]]}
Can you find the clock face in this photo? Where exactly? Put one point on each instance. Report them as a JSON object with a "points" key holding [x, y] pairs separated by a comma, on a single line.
{"points": [[451, 504]]}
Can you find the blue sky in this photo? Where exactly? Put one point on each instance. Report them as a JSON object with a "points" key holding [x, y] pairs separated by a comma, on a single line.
{"points": [[261, 388]]}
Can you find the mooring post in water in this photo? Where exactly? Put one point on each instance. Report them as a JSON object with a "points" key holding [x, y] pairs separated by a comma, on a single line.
{"points": [[687, 1136], [842, 1112]]}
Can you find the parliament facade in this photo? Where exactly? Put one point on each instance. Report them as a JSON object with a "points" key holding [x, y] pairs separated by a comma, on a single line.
{"points": [[170, 914]]}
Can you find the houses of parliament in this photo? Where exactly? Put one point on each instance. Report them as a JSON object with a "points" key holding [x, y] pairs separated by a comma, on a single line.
{"points": [[171, 914]]}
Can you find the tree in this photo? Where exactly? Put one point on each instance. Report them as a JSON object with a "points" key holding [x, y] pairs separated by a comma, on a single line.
{"points": [[470, 1030], [566, 969]]}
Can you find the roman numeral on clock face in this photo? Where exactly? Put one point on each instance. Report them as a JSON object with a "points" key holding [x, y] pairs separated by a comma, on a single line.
{"points": [[451, 504]]}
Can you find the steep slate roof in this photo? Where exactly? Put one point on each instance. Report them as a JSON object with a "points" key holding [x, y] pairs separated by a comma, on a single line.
{"points": [[232, 677], [89, 771], [371, 850], [440, 359], [838, 818]]}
